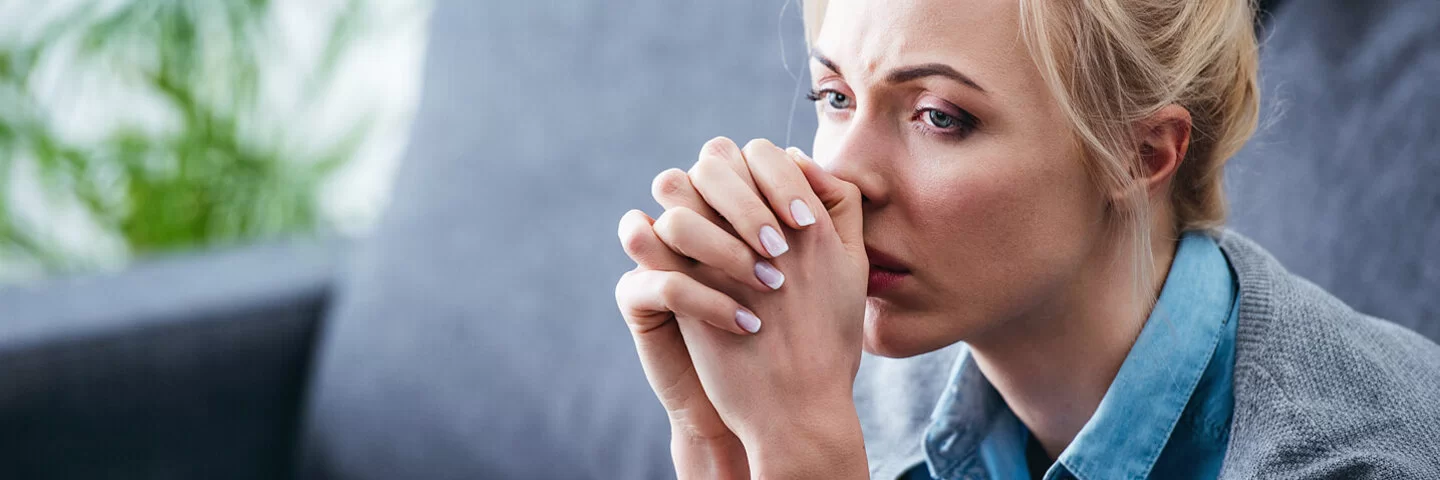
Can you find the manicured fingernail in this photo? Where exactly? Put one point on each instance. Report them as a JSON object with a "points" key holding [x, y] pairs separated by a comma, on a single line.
{"points": [[772, 241], [801, 212], [747, 321], [769, 275]]}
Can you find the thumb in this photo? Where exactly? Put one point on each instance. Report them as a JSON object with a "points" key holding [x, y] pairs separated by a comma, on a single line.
{"points": [[841, 199]]}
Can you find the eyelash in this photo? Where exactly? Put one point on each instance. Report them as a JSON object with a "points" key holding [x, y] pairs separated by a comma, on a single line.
{"points": [[818, 95], [967, 123]]}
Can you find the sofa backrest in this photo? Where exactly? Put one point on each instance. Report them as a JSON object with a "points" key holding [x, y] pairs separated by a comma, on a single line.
{"points": [[1342, 182], [476, 334]]}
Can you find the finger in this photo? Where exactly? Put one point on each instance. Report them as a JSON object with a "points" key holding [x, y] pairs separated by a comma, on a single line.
{"points": [[672, 188], [724, 182], [665, 357], [782, 183], [638, 238], [648, 297], [644, 246], [842, 199], [689, 234]]}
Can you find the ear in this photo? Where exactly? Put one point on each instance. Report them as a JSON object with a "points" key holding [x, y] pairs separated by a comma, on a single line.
{"points": [[1164, 139]]}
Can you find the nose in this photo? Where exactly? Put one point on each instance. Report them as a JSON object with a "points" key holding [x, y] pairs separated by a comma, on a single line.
{"points": [[859, 154]]}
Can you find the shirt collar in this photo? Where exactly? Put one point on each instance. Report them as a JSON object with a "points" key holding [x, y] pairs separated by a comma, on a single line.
{"points": [[1139, 411], [1125, 436], [964, 417]]}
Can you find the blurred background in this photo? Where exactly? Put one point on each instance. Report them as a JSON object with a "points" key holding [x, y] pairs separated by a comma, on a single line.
{"points": [[131, 128], [375, 239]]}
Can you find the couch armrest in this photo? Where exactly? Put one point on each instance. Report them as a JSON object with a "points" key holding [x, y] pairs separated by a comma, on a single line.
{"points": [[190, 367]]}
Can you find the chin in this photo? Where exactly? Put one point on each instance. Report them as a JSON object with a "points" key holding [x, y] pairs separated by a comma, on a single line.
{"points": [[891, 332]]}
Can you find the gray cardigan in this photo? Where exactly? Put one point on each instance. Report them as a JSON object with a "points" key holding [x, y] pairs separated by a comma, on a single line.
{"points": [[1321, 391]]}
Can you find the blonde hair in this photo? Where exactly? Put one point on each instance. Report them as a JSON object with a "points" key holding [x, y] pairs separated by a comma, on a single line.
{"points": [[1113, 63]]}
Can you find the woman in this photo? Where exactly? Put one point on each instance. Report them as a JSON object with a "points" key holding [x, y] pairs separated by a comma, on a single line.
{"points": [[1040, 181]]}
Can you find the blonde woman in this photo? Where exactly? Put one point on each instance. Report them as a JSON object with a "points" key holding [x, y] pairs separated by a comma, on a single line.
{"points": [[1036, 182]]}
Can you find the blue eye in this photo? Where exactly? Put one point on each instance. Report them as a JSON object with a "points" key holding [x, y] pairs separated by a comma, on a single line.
{"points": [[956, 124], [940, 119], [833, 99]]}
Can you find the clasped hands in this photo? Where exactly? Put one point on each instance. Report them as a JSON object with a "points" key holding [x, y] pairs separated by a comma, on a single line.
{"points": [[746, 307]]}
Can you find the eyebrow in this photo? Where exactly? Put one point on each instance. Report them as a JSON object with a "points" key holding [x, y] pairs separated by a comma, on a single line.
{"points": [[906, 74], [911, 73]]}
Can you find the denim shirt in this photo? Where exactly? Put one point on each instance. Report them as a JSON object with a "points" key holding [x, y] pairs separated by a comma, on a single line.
{"points": [[1166, 414]]}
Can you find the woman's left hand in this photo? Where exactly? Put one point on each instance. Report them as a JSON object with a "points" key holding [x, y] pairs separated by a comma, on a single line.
{"points": [[786, 391]]}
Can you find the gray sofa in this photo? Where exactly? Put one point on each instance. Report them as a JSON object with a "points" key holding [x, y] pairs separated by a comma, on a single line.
{"points": [[474, 334]]}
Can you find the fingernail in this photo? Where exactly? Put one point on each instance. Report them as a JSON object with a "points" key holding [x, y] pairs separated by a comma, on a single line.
{"points": [[801, 212], [769, 275], [747, 321], [772, 241]]}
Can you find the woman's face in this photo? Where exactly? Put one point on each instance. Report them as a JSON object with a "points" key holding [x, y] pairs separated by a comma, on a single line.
{"points": [[974, 184]]}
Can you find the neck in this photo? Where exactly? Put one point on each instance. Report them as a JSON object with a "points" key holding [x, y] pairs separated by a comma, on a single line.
{"points": [[1053, 365]]}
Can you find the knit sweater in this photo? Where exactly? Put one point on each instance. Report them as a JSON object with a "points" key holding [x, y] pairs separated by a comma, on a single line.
{"points": [[1321, 391]]}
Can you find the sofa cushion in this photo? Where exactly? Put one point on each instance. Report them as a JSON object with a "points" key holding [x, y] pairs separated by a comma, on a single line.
{"points": [[476, 334], [1342, 182]]}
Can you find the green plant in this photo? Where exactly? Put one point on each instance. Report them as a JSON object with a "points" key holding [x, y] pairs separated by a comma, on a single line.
{"points": [[215, 171]]}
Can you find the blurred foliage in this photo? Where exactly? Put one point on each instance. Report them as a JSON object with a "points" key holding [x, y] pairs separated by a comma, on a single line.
{"points": [[214, 176]]}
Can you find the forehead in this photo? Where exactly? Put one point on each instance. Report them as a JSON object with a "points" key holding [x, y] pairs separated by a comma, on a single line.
{"points": [[865, 38]]}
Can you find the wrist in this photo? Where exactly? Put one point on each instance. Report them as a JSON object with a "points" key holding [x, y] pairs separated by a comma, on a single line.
{"points": [[829, 446], [721, 457]]}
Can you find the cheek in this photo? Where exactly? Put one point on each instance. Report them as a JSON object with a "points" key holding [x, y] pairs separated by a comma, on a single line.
{"points": [[1003, 205], [1003, 229]]}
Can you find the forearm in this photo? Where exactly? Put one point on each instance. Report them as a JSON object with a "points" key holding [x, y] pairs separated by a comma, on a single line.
{"points": [[708, 458]]}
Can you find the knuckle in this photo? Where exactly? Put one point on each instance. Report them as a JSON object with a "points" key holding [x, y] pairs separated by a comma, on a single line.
{"points": [[623, 226], [625, 286], [718, 147], [709, 175], [674, 219], [678, 231], [683, 216], [665, 225], [671, 286], [634, 242], [757, 146], [633, 237], [700, 173], [669, 183]]}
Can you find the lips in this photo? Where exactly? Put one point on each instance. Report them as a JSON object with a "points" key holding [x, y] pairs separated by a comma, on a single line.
{"points": [[886, 273], [881, 260]]}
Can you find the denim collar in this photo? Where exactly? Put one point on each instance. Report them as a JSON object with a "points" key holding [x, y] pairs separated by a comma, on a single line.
{"points": [[968, 414], [1133, 423]]}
